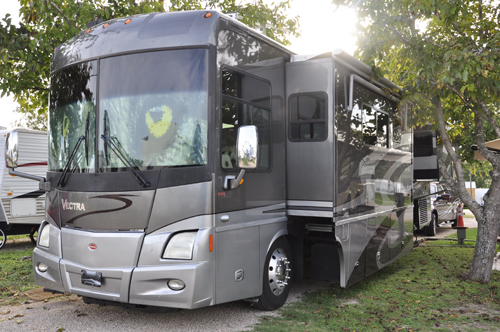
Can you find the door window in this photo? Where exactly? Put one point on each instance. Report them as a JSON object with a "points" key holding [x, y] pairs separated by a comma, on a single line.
{"points": [[246, 100]]}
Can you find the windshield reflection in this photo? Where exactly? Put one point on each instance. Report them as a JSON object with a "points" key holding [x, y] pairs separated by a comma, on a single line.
{"points": [[72, 105]]}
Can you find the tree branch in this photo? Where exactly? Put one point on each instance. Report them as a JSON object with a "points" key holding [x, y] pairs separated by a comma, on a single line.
{"points": [[483, 107], [461, 96], [490, 116], [459, 187], [62, 14], [470, 40], [38, 89], [490, 156]]}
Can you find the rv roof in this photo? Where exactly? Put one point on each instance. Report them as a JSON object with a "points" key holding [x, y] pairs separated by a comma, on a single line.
{"points": [[148, 32], [348, 60]]}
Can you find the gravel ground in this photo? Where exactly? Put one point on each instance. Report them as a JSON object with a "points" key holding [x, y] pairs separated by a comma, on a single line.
{"points": [[71, 314]]}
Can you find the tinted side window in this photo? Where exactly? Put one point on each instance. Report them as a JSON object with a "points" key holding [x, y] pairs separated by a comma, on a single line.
{"points": [[375, 127], [308, 117], [246, 100]]}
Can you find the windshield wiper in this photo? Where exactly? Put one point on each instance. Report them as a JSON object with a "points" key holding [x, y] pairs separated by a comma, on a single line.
{"points": [[106, 133], [71, 157], [73, 153], [130, 167], [87, 140]]}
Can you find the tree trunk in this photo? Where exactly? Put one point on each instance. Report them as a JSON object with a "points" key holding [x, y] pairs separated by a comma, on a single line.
{"points": [[487, 232]]}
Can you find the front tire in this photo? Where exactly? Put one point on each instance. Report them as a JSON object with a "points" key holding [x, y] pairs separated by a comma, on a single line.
{"points": [[277, 276], [3, 238], [32, 236], [430, 230]]}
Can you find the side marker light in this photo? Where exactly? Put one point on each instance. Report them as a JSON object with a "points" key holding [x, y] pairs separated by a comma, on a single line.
{"points": [[106, 25], [128, 21], [88, 30], [210, 243], [208, 15]]}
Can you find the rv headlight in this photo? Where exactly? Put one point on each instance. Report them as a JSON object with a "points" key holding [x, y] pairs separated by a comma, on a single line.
{"points": [[43, 236], [180, 246]]}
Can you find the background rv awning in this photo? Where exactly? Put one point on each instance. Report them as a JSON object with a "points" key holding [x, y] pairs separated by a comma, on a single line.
{"points": [[491, 144]]}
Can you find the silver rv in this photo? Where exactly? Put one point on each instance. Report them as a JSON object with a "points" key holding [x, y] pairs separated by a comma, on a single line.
{"points": [[192, 159]]}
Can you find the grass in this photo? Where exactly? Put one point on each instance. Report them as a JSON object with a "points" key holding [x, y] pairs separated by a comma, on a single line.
{"points": [[470, 234], [16, 275], [423, 291]]}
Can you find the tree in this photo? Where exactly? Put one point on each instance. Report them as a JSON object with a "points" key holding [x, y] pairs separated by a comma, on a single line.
{"points": [[448, 52], [32, 120], [26, 50]]}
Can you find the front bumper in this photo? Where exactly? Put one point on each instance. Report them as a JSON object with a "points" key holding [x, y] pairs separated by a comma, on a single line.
{"points": [[145, 284], [139, 285]]}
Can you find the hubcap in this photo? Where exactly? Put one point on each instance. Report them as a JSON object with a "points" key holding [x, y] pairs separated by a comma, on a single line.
{"points": [[279, 271]]}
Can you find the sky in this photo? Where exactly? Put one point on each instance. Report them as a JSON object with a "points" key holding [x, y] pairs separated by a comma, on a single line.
{"points": [[322, 31]]}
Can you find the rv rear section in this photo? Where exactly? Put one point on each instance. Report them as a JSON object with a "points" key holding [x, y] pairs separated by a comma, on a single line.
{"points": [[193, 161]]}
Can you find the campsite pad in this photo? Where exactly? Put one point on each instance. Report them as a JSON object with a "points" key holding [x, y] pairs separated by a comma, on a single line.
{"points": [[39, 295]]}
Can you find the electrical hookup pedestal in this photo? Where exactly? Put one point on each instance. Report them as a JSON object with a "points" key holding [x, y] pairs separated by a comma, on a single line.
{"points": [[461, 229]]}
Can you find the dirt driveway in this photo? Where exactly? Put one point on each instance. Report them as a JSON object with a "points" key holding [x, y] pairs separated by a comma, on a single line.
{"points": [[70, 313]]}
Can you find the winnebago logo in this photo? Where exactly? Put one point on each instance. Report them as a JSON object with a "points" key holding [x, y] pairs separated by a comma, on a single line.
{"points": [[72, 205]]}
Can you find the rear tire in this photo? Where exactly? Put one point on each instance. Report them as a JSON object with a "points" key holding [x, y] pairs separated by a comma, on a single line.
{"points": [[430, 230], [455, 223], [3, 238], [277, 276]]}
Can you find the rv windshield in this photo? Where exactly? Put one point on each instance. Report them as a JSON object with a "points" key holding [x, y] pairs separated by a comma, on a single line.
{"points": [[152, 106], [72, 105]]}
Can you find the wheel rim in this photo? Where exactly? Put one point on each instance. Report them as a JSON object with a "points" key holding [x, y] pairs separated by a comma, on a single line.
{"points": [[279, 271]]}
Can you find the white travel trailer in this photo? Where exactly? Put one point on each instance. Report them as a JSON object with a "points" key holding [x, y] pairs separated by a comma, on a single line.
{"points": [[22, 203], [192, 159]]}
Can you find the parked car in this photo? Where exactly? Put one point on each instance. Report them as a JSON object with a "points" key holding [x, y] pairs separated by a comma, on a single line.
{"points": [[444, 206]]}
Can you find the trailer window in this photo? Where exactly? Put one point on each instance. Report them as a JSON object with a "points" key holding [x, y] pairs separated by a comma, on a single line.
{"points": [[246, 100], [308, 117]]}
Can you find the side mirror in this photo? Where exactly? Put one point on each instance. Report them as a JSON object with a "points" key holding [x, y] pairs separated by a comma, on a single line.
{"points": [[247, 150], [247, 147], [11, 144], [11, 160]]}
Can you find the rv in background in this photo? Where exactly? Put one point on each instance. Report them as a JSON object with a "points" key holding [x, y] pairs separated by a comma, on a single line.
{"points": [[192, 160], [22, 203]]}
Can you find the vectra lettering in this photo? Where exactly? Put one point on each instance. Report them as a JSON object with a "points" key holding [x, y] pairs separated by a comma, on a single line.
{"points": [[72, 205]]}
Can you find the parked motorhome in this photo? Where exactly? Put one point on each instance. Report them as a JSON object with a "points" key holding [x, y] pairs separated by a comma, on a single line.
{"points": [[192, 159], [22, 203]]}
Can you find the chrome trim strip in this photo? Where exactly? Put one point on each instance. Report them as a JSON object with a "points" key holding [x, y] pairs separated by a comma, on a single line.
{"points": [[368, 216], [249, 224], [310, 203], [309, 213]]}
